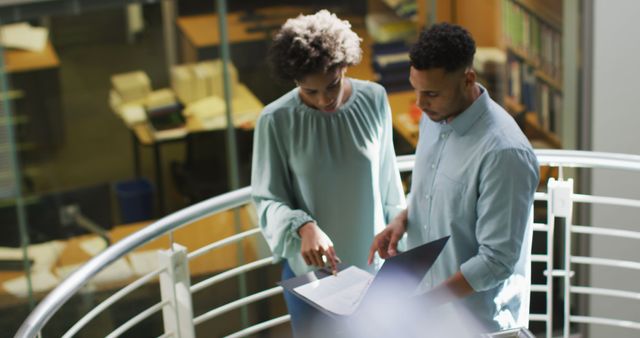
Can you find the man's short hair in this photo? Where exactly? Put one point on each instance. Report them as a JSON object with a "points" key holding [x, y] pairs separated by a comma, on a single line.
{"points": [[445, 46], [314, 43]]}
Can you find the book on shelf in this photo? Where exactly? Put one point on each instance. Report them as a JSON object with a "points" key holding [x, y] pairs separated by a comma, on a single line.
{"points": [[387, 27], [535, 95], [391, 65], [533, 38]]}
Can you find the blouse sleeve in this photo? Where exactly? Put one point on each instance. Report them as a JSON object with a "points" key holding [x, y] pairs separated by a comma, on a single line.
{"points": [[391, 189], [272, 191]]}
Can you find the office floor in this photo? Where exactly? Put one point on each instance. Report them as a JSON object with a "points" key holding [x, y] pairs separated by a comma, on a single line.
{"points": [[98, 148]]}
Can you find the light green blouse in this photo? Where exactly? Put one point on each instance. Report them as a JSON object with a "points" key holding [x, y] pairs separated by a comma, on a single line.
{"points": [[338, 169]]}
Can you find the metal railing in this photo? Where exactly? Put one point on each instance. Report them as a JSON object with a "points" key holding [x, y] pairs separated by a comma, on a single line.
{"points": [[557, 190]]}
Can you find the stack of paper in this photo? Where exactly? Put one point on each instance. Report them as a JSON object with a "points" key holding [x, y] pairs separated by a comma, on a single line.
{"points": [[44, 257], [132, 114], [209, 112], [131, 86], [217, 79], [182, 84], [195, 81], [23, 36], [160, 98]]}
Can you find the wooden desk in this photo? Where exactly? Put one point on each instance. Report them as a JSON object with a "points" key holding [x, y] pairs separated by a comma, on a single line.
{"points": [[193, 236], [17, 61], [199, 35], [246, 109]]}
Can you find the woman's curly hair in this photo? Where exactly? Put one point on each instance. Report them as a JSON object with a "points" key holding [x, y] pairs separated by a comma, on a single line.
{"points": [[313, 43], [445, 46]]}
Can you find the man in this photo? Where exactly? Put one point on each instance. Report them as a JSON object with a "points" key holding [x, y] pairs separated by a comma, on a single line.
{"points": [[474, 179]]}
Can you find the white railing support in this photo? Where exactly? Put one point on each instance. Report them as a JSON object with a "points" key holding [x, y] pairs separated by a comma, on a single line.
{"points": [[561, 205], [175, 283]]}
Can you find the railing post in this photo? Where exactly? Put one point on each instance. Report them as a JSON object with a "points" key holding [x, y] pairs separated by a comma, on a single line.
{"points": [[175, 283], [561, 205]]}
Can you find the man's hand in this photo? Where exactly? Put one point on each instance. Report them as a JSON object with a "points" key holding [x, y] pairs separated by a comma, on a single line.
{"points": [[386, 242], [315, 244]]}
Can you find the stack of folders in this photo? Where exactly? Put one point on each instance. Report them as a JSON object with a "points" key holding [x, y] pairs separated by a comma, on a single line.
{"points": [[391, 65], [164, 113], [196, 81]]}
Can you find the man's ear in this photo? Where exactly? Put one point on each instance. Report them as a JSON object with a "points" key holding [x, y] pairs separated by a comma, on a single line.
{"points": [[470, 77]]}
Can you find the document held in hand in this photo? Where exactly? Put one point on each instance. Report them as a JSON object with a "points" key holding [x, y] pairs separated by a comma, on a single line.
{"points": [[345, 293]]}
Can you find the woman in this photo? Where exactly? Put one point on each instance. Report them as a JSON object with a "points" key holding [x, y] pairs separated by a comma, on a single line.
{"points": [[324, 174]]}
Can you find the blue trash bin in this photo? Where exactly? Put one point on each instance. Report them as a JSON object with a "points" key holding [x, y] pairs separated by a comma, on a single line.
{"points": [[135, 198]]}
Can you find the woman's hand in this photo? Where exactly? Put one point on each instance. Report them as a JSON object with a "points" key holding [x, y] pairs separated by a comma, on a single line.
{"points": [[315, 244]]}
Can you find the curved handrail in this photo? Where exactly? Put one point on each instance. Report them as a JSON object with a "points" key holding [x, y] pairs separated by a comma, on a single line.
{"points": [[56, 298], [587, 159]]}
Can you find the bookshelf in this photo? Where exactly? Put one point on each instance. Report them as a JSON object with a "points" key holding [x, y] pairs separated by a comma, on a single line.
{"points": [[530, 34]]}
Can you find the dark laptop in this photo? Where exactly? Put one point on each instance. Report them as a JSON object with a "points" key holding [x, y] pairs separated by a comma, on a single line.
{"points": [[401, 274]]}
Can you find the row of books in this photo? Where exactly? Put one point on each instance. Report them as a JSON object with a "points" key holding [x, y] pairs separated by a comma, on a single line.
{"points": [[533, 38], [386, 27], [534, 94], [391, 65], [407, 9]]}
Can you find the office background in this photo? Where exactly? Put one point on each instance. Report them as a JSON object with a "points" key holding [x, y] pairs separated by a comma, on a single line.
{"points": [[82, 152]]}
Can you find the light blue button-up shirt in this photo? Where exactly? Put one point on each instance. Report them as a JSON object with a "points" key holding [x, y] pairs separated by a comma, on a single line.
{"points": [[474, 179]]}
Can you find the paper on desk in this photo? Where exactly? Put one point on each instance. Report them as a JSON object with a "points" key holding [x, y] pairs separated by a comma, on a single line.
{"points": [[24, 36], [93, 246], [119, 270], [144, 262], [44, 255], [40, 281], [64, 271], [339, 294], [132, 113]]}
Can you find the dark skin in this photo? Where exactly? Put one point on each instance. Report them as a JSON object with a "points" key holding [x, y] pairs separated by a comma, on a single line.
{"points": [[442, 96]]}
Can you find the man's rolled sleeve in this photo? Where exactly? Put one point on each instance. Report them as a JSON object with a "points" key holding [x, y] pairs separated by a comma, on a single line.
{"points": [[508, 181], [482, 273]]}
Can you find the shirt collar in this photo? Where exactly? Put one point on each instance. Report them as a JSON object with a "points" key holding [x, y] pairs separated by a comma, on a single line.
{"points": [[463, 122]]}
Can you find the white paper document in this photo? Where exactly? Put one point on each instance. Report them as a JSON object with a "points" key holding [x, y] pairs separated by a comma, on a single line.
{"points": [[41, 281], [23, 36], [144, 262], [339, 294]]}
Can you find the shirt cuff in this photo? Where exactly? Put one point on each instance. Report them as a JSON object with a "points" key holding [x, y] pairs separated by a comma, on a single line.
{"points": [[477, 273], [298, 218]]}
